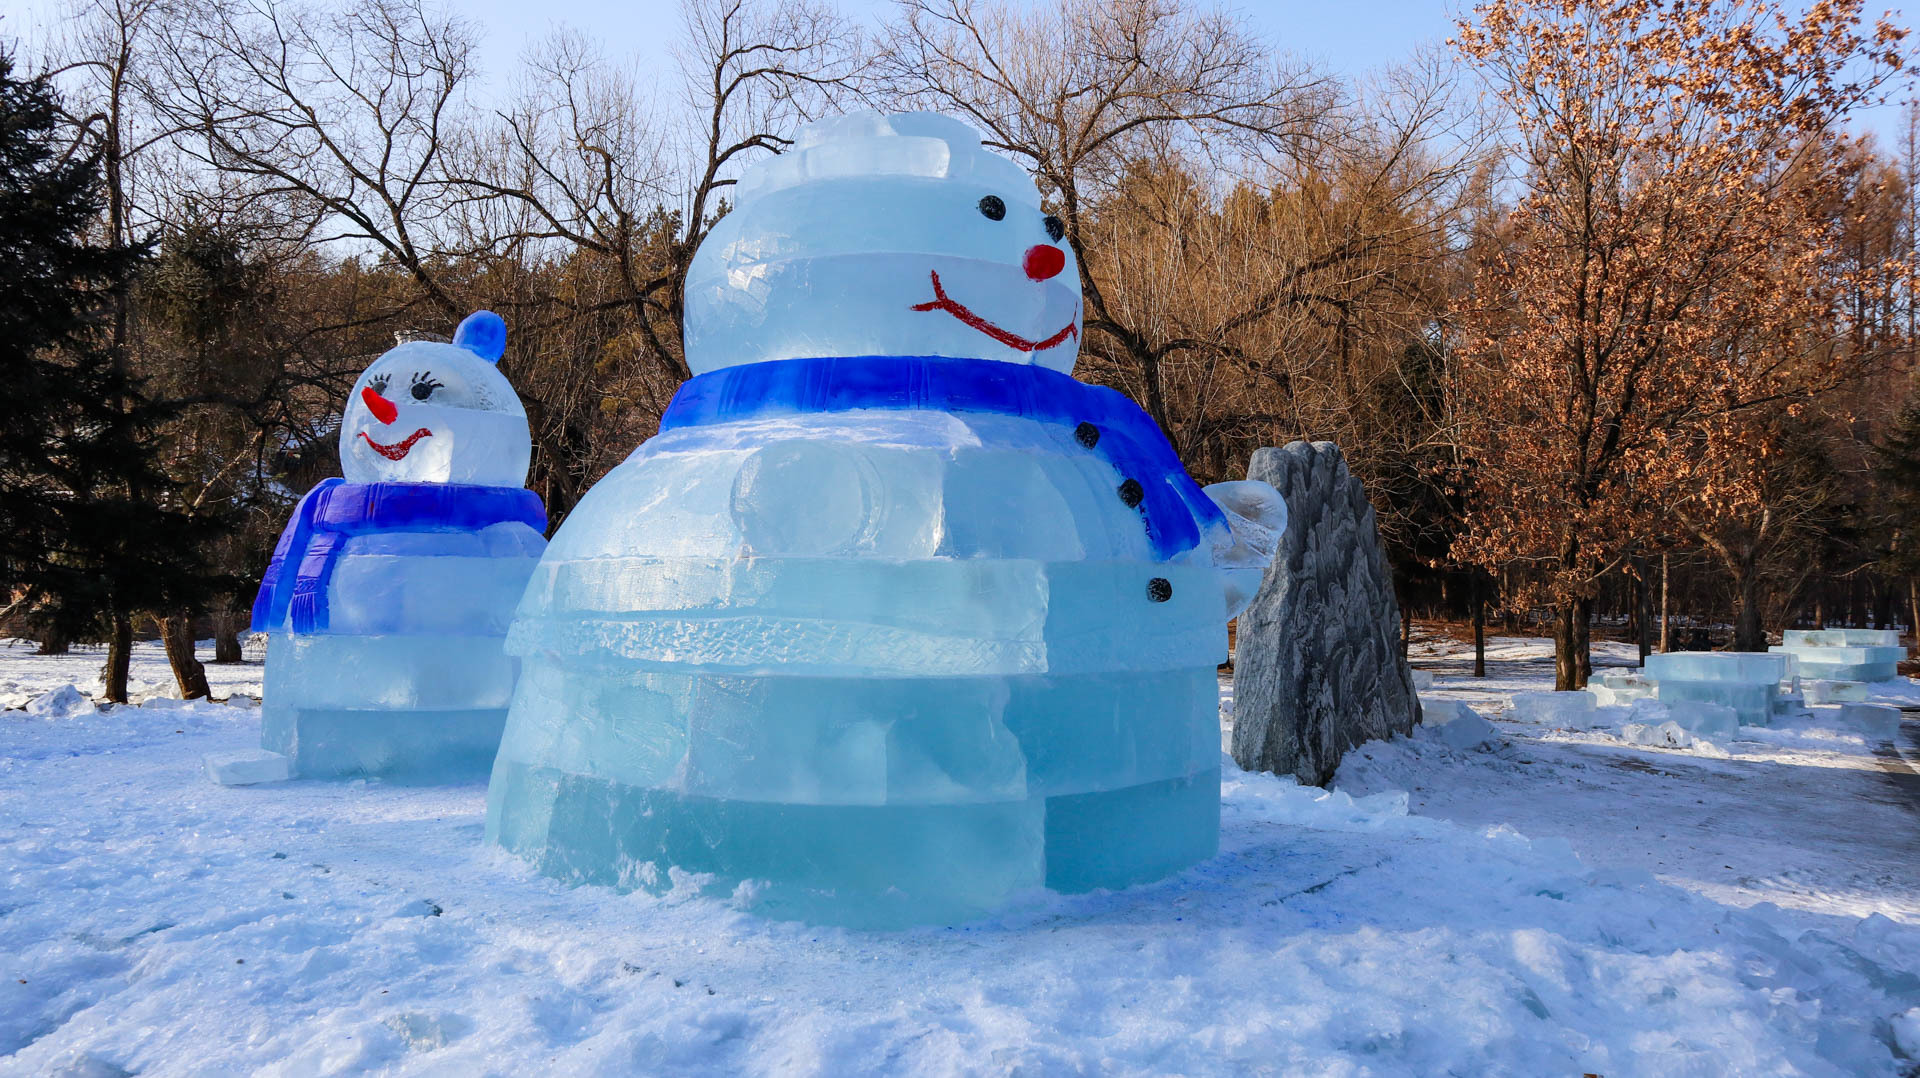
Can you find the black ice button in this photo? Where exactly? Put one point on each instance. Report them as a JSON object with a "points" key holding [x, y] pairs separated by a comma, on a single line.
{"points": [[1087, 435], [1159, 590], [1131, 492]]}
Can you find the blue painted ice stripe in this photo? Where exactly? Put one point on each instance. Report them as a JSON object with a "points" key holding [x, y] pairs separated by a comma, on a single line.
{"points": [[1177, 512]]}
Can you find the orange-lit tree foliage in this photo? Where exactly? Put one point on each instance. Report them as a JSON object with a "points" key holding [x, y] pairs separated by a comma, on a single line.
{"points": [[1674, 238]]}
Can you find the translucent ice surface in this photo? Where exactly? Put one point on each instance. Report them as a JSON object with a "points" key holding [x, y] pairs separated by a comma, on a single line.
{"points": [[1619, 689], [1563, 709], [1715, 722], [1747, 682], [387, 601], [884, 235], [1843, 654], [1841, 638], [893, 620], [1834, 692], [1880, 722], [1732, 666]]}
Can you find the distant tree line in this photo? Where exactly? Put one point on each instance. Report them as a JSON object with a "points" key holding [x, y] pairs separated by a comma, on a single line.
{"points": [[1627, 339]]}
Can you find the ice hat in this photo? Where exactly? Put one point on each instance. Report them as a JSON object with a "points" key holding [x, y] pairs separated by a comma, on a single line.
{"points": [[868, 144]]}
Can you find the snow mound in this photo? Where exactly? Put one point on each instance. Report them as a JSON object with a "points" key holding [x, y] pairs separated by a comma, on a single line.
{"points": [[65, 702]]}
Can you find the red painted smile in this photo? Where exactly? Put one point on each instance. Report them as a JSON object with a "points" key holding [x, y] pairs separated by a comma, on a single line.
{"points": [[940, 302], [398, 449]]}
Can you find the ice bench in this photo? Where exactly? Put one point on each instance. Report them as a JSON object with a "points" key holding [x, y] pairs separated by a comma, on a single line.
{"points": [[1755, 685], [1843, 654]]}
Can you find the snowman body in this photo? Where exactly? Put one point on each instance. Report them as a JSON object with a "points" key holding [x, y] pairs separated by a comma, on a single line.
{"points": [[390, 593], [887, 635]]}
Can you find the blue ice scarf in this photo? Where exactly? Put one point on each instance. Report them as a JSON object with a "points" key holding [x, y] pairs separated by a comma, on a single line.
{"points": [[294, 590], [1175, 511]]}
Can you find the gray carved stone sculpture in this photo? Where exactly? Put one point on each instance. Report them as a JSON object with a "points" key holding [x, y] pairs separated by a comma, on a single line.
{"points": [[1317, 666]]}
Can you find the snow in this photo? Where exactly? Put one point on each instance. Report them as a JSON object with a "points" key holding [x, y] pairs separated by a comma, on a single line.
{"points": [[1550, 902], [62, 703]]}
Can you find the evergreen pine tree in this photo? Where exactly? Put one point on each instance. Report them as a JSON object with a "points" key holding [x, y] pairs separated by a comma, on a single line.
{"points": [[84, 538]]}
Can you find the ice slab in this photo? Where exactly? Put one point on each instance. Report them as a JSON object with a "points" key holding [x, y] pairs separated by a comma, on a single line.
{"points": [[1749, 667], [413, 708], [1617, 689], [1455, 724], [246, 767], [1880, 722], [1841, 638], [1667, 735], [405, 745], [1819, 691], [1564, 709], [870, 866], [1753, 703], [1715, 722], [1422, 680], [1747, 682], [1866, 663]]}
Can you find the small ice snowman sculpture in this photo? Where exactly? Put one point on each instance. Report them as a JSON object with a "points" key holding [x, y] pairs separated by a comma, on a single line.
{"points": [[894, 619], [391, 590]]}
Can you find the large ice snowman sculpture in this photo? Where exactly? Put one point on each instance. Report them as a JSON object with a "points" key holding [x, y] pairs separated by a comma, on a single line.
{"points": [[391, 590], [894, 619]]}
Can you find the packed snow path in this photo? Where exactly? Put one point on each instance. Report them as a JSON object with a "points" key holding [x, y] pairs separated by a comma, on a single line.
{"points": [[154, 923], [1802, 816]]}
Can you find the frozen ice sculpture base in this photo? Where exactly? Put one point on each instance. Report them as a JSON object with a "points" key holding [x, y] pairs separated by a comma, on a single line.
{"points": [[858, 866]]}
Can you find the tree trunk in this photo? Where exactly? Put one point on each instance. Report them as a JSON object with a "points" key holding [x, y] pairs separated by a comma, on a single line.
{"points": [[1643, 609], [1566, 669], [1666, 611], [1913, 610], [53, 642], [1583, 642], [1479, 630], [176, 632], [226, 636], [113, 677], [1748, 633], [1406, 630]]}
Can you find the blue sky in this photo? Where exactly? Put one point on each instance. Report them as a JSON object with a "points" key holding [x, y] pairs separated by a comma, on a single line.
{"points": [[1349, 38]]}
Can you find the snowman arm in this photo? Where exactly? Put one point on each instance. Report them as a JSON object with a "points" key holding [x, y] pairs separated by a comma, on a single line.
{"points": [[1256, 517]]}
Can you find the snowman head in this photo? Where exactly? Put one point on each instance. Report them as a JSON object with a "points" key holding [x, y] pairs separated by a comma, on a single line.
{"points": [[438, 413], [884, 235]]}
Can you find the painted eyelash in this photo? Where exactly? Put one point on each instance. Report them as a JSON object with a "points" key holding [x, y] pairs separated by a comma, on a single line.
{"points": [[378, 383], [423, 385]]}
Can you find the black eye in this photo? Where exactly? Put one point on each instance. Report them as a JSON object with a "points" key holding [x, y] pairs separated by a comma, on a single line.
{"points": [[423, 385], [1055, 228], [378, 383], [993, 208]]}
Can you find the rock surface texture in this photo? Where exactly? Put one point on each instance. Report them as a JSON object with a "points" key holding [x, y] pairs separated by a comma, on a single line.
{"points": [[1317, 664]]}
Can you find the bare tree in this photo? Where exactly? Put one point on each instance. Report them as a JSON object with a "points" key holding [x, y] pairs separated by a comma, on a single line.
{"points": [[577, 172], [346, 113], [1079, 90], [582, 167]]}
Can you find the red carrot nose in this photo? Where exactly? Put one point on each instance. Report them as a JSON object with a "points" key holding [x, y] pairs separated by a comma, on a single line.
{"points": [[1043, 261], [381, 407]]}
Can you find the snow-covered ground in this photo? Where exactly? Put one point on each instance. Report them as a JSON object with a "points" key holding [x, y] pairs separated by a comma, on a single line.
{"points": [[1558, 903]]}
